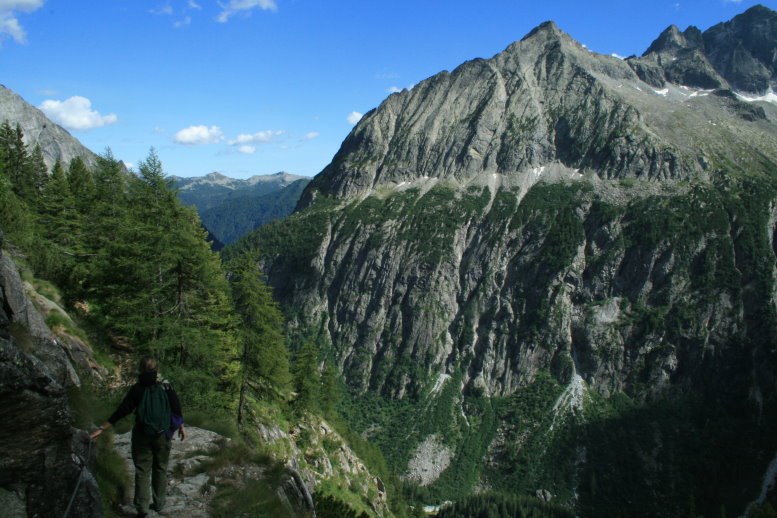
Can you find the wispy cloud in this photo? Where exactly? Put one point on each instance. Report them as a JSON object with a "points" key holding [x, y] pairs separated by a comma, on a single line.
{"points": [[162, 10], [195, 5], [354, 117], [199, 135], [386, 74], [9, 23], [616, 55], [180, 23], [311, 135], [247, 150], [393, 90], [234, 7], [76, 113], [261, 137]]}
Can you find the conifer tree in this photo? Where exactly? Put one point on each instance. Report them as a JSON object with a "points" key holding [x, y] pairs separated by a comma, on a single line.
{"points": [[307, 378], [264, 363], [60, 224], [81, 183]]}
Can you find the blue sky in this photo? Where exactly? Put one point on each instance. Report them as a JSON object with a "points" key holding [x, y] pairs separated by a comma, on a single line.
{"points": [[249, 87]]}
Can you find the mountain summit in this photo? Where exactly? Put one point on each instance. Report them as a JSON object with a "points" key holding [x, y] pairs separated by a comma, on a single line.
{"points": [[548, 101], [738, 54]]}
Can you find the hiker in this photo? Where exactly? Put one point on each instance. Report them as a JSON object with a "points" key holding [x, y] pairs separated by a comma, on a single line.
{"points": [[158, 416]]}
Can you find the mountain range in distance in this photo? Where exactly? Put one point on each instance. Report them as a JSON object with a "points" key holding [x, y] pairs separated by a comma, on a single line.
{"points": [[230, 208]]}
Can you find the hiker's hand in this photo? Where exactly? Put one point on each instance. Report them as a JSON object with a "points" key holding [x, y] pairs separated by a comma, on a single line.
{"points": [[100, 430], [182, 433]]}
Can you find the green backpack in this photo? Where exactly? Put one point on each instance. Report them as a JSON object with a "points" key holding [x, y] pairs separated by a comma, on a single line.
{"points": [[154, 410]]}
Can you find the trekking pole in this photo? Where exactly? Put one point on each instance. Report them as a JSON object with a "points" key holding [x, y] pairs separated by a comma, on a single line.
{"points": [[78, 482]]}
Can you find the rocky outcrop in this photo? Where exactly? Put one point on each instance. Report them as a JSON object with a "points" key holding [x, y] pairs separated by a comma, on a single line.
{"points": [[194, 480], [44, 460], [738, 55], [55, 142]]}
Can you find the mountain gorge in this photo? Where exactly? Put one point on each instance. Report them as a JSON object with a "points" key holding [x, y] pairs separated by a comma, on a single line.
{"points": [[562, 263]]}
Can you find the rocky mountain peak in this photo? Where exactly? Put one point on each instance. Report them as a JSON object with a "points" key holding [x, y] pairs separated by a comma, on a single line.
{"points": [[738, 54], [546, 100], [671, 40]]}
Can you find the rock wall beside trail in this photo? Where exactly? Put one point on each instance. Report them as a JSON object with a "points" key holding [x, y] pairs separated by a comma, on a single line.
{"points": [[41, 455]]}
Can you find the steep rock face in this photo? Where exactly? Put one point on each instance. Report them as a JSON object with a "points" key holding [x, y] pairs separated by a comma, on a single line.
{"points": [[55, 142], [738, 54], [743, 50], [42, 454]]}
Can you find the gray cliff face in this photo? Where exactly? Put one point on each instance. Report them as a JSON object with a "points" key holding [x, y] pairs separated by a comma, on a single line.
{"points": [[42, 454], [738, 54], [55, 142]]}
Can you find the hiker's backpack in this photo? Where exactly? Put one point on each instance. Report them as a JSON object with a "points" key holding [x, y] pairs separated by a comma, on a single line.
{"points": [[154, 410]]}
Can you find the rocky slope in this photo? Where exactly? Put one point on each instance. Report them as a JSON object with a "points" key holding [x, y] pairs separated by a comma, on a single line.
{"points": [[554, 211], [45, 460], [55, 142]]}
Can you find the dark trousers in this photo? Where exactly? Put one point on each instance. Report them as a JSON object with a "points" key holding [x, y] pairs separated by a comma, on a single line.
{"points": [[150, 455]]}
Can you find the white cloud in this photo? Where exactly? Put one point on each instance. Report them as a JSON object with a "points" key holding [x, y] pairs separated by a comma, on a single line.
{"points": [[128, 165], [194, 5], [311, 135], [393, 90], [9, 24], [236, 6], [199, 135], [261, 137], [76, 113], [354, 117], [247, 150], [180, 23], [616, 55], [164, 10]]}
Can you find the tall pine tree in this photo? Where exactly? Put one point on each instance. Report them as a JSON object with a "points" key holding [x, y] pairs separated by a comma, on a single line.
{"points": [[264, 363]]}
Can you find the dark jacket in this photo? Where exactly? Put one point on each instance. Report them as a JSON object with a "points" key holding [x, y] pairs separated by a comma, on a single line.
{"points": [[135, 394]]}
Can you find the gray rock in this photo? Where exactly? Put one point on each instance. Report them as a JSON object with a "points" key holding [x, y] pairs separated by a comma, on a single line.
{"points": [[12, 503], [737, 54], [39, 450], [55, 142], [30, 329]]}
